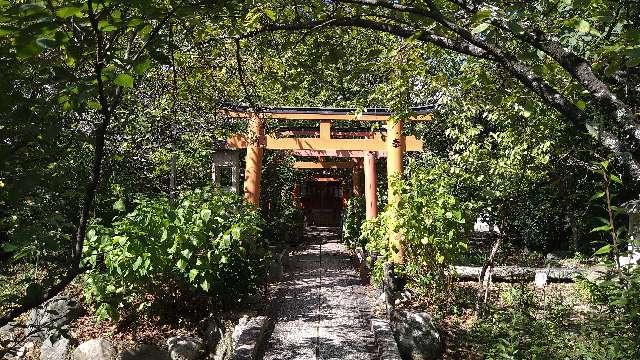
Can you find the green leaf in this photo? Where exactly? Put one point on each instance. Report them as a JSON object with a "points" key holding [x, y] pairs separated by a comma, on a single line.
{"points": [[182, 264], [601, 228], [205, 285], [9, 248], [92, 104], [582, 26], [481, 15], [581, 105], [142, 66], [106, 26], [618, 210], [68, 11], [615, 178], [46, 43], [192, 274], [124, 80], [119, 205], [597, 195], [480, 28], [270, 14], [137, 264], [603, 250], [205, 214]]}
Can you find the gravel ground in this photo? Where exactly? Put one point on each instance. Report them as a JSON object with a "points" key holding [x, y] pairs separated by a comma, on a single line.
{"points": [[322, 310]]}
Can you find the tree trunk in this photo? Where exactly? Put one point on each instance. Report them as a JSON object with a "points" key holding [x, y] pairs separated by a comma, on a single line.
{"points": [[483, 279]]}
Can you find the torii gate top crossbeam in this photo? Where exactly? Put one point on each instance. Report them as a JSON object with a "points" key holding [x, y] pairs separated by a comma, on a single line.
{"points": [[422, 113]]}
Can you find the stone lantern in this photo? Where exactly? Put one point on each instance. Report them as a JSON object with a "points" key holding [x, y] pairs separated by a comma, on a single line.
{"points": [[225, 170]]}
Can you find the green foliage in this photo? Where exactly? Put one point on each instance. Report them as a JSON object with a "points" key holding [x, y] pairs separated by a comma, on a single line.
{"points": [[528, 325], [524, 330], [279, 209], [619, 322], [353, 218], [375, 234], [207, 243], [433, 224]]}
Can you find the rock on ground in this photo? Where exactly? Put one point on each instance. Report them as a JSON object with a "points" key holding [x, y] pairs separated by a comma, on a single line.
{"points": [[185, 347], [416, 335], [54, 348], [50, 322], [322, 310], [52, 318], [94, 349], [144, 352]]}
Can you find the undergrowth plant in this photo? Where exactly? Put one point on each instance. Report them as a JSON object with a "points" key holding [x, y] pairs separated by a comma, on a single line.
{"points": [[206, 244], [354, 217], [433, 224]]}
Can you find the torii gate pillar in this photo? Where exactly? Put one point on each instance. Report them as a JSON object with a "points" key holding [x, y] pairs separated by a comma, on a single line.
{"points": [[253, 169], [395, 150], [370, 190]]}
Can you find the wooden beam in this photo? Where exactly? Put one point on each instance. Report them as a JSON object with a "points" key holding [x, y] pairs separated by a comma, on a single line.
{"points": [[335, 134], [337, 153], [324, 165], [320, 116], [376, 144], [326, 179]]}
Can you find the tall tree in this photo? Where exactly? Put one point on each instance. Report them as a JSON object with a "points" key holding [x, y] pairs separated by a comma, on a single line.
{"points": [[531, 41]]}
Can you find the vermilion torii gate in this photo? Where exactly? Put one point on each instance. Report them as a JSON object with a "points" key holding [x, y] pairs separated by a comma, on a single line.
{"points": [[360, 146]]}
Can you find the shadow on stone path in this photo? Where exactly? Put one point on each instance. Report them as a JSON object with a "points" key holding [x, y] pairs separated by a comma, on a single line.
{"points": [[322, 311]]}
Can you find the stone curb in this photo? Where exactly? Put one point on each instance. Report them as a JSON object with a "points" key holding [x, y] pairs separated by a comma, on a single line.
{"points": [[385, 341], [250, 339]]}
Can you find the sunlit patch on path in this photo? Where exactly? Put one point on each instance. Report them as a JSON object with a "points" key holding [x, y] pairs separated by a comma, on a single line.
{"points": [[322, 311]]}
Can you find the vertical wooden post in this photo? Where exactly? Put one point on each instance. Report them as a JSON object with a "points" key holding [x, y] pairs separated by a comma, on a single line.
{"points": [[325, 129], [370, 190], [253, 169], [395, 150]]}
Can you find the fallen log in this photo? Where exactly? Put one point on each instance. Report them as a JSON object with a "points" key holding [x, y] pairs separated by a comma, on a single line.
{"points": [[521, 273]]}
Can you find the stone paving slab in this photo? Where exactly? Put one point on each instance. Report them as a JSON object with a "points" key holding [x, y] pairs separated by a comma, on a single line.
{"points": [[322, 311]]}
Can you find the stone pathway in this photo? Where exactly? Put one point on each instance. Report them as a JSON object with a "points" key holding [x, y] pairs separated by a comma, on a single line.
{"points": [[322, 310]]}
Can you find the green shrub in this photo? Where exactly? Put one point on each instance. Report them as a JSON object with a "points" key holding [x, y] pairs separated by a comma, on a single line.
{"points": [[207, 243], [354, 216], [433, 224], [374, 233], [619, 322], [279, 207]]}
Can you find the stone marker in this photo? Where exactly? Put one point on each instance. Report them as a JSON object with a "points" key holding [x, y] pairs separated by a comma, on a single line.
{"points": [[541, 279]]}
